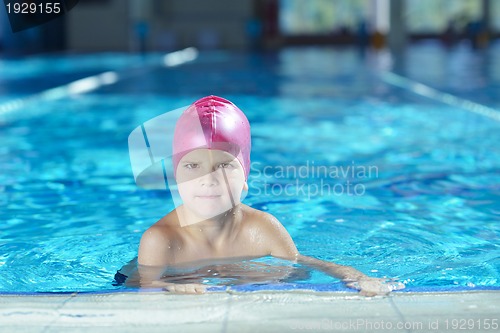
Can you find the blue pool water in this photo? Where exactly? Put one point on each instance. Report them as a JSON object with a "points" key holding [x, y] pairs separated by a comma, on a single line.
{"points": [[360, 167]]}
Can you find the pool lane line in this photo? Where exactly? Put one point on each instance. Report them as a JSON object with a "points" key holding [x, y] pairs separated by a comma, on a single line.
{"points": [[429, 92], [13, 110]]}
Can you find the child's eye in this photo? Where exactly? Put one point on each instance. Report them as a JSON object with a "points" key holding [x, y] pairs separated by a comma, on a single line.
{"points": [[191, 166], [224, 165]]}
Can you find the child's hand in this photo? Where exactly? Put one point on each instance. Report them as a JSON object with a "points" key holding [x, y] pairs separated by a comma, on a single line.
{"points": [[369, 286], [186, 288]]}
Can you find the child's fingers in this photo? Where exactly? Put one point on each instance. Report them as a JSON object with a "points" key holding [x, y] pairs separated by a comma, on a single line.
{"points": [[169, 287], [370, 287], [186, 288], [200, 288], [190, 288], [368, 293], [394, 285], [195, 288], [353, 285]]}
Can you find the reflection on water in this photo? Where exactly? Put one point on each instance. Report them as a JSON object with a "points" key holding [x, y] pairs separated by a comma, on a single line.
{"points": [[266, 270]]}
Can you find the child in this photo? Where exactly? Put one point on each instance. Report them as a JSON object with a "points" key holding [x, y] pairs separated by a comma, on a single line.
{"points": [[211, 160]]}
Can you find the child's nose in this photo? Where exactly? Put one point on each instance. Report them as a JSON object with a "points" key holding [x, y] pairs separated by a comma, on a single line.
{"points": [[209, 179]]}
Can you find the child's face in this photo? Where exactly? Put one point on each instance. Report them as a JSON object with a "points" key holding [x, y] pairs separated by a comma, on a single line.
{"points": [[210, 182]]}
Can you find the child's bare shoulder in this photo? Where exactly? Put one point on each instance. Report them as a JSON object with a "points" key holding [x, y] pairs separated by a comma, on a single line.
{"points": [[268, 231], [156, 240], [165, 230], [253, 217], [257, 219]]}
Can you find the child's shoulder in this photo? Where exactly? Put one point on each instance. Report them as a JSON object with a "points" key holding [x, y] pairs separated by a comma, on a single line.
{"points": [[268, 231], [254, 218], [253, 214], [164, 229]]}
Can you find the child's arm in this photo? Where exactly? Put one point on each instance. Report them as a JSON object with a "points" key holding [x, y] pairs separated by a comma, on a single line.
{"points": [[154, 247], [368, 286], [150, 277], [282, 246], [152, 261]]}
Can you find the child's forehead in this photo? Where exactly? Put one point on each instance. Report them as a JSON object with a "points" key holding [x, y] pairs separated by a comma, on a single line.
{"points": [[204, 154]]}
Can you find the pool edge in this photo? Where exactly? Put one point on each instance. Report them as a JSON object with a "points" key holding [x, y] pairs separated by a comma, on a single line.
{"points": [[247, 311]]}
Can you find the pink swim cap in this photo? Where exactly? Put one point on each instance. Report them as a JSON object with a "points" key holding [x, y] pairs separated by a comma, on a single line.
{"points": [[213, 123]]}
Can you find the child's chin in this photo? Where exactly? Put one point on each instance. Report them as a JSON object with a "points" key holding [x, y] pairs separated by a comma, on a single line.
{"points": [[209, 211]]}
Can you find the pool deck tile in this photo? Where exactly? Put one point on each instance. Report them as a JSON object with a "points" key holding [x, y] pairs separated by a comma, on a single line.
{"points": [[29, 313], [468, 311], [247, 312], [285, 312]]}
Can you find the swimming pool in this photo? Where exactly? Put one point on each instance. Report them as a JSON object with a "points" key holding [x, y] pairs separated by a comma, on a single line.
{"points": [[359, 166]]}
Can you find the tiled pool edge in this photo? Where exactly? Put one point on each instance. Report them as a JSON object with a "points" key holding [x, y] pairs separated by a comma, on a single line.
{"points": [[280, 287], [245, 311]]}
